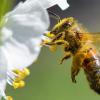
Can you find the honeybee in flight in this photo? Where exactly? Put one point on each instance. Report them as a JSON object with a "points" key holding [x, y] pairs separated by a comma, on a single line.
{"points": [[77, 43]]}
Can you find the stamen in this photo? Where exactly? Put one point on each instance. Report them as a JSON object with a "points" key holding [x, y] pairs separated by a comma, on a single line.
{"points": [[19, 84], [21, 74], [18, 81], [26, 71], [16, 77], [4, 95]]}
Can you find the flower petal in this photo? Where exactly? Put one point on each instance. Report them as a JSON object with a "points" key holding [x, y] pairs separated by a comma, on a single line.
{"points": [[5, 34], [28, 20], [3, 72], [2, 88], [20, 55]]}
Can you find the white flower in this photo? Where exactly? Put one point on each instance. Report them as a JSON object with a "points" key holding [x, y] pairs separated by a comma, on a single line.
{"points": [[20, 38]]}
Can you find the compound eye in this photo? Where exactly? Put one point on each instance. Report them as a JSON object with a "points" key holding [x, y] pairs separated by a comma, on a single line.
{"points": [[67, 24]]}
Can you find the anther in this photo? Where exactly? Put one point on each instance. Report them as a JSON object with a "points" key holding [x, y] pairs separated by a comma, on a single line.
{"points": [[19, 84]]}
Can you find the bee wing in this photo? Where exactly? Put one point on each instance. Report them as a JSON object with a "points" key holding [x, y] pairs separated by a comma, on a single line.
{"points": [[96, 39]]}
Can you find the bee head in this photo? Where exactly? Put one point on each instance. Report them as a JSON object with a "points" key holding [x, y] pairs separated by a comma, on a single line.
{"points": [[62, 25]]}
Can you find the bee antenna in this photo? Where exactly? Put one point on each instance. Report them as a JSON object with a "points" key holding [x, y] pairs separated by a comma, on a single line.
{"points": [[55, 16]]}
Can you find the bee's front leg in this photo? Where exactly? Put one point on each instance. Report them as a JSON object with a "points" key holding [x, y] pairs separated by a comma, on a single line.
{"points": [[57, 42], [61, 42], [66, 56], [52, 46], [57, 37]]}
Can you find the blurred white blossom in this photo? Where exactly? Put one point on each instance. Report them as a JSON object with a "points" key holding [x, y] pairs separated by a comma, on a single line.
{"points": [[20, 37]]}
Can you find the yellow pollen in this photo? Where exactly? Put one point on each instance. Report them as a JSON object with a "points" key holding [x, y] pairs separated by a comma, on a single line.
{"points": [[21, 74], [53, 48], [9, 98], [26, 71], [49, 35], [19, 84], [18, 81], [46, 41]]}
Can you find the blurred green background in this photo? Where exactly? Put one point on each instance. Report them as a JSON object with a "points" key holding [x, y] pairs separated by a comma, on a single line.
{"points": [[51, 81]]}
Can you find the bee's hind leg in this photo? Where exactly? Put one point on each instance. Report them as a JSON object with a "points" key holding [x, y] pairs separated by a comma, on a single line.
{"points": [[76, 65], [74, 72]]}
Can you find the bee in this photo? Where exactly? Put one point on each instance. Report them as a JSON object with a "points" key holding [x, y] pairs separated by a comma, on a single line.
{"points": [[77, 43]]}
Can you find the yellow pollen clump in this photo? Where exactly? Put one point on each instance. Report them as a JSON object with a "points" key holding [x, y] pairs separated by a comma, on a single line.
{"points": [[50, 35], [26, 71], [19, 84], [53, 48], [18, 81]]}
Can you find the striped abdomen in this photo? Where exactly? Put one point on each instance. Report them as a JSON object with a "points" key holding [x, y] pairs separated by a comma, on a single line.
{"points": [[91, 67]]}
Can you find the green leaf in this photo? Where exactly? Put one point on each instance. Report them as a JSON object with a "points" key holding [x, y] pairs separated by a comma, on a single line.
{"points": [[5, 6]]}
